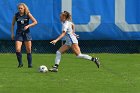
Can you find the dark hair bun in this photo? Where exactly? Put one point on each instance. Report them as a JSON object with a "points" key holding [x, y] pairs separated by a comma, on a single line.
{"points": [[67, 14]]}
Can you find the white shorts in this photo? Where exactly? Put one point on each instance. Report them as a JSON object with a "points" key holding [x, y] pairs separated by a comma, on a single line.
{"points": [[71, 39]]}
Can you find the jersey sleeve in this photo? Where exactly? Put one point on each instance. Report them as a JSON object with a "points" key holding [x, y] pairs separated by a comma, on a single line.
{"points": [[65, 27]]}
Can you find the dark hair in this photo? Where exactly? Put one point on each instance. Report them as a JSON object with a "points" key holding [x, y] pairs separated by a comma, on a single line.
{"points": [[68, 15]]}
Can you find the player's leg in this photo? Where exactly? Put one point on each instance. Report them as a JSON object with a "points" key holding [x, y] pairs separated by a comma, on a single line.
{"points": [[77, 51], [62, 50], [18, 45], [28, 45]]}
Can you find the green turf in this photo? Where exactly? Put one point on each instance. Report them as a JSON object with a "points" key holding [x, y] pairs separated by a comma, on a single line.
{"points": [[119, 73]]}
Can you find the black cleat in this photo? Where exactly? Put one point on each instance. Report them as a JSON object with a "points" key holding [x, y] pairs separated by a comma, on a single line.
{"points": [[54, 69], [30, 66], [96, 61], [20, 65]]}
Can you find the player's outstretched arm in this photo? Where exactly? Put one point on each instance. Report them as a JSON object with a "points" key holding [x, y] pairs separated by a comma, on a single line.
{"points": [[60, 37]]}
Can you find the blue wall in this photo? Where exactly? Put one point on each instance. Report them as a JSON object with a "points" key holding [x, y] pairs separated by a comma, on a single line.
{"points": [[49, 26]]}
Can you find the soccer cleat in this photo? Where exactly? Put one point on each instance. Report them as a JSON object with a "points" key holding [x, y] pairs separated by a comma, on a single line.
{"points": [[30, 66], [20, 65], [54, 69], [96, 60]]}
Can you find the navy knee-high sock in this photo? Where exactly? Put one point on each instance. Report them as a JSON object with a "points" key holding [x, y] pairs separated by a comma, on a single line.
{"points": [[19, 57], [29, 58]]}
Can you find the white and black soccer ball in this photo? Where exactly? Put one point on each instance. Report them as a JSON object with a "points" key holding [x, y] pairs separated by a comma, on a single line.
{"points": [[43, 69]]}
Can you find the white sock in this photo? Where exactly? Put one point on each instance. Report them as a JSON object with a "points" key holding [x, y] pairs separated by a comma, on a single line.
{"points": [[84, 56], [58, 58]]}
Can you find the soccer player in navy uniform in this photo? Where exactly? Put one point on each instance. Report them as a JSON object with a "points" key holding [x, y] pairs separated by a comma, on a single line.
{"points": [[71, 42], [22, 18]]}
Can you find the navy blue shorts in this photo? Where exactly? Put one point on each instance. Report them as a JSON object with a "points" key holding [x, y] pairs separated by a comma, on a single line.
{"points": [[23, 37]]}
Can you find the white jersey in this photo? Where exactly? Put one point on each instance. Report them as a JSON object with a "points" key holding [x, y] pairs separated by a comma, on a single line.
{"points": [[70, 37]]}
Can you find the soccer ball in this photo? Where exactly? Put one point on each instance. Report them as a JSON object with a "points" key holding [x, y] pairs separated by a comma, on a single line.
{"points": [[43, 69]]}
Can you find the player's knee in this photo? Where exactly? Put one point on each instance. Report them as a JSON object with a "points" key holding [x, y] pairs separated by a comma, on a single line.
{"points": [[28, 50], [18, 50]]}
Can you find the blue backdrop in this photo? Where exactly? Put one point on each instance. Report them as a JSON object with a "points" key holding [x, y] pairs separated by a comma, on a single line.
{"points": [[114, 23]]}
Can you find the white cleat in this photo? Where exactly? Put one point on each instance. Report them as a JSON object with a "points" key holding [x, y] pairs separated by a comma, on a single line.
{"points": [[53, 69]]}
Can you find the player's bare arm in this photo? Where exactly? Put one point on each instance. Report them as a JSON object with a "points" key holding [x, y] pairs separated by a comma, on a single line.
{"points": [[60, 37]]}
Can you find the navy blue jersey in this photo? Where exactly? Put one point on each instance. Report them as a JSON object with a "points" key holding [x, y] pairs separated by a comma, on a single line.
{"points": [[22, 21]]}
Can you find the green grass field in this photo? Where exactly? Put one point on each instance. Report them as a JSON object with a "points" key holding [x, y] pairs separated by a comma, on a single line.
{"points": [[119, 73]]}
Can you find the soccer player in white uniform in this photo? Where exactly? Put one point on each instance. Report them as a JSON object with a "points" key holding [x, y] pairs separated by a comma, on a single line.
{"points": [[71, 42]]}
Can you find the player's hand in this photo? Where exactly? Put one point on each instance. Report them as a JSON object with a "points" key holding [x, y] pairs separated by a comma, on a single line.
{"points": [[12, 36], [77, 36], [26, 27], [53, 42]]}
